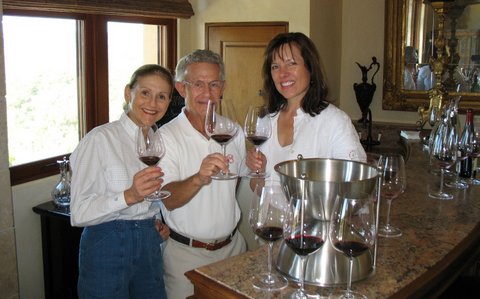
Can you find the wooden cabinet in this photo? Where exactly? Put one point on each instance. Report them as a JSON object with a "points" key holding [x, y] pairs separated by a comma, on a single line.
{"points": [[60, 242]]}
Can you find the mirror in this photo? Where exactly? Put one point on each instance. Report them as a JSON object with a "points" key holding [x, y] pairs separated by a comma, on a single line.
{"points": [[410, 27]]}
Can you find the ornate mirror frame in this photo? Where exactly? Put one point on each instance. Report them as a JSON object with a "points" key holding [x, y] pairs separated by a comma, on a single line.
{"points": [[394, 96]]}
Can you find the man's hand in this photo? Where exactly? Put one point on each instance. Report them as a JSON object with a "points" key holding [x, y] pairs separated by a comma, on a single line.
{"points": [[212, 165]]}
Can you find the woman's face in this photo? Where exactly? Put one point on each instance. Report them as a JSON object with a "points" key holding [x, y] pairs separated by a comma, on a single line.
{"points": [[149, 99], [289, 73]]}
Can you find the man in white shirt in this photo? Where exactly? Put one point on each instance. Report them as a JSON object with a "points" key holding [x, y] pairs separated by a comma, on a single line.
{"points": [[425, 78], [410, 72], [202, 213]]}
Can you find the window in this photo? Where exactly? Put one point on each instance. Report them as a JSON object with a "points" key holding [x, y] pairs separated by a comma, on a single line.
{"points": [[143, 47], [65, 75], [41, 83]]}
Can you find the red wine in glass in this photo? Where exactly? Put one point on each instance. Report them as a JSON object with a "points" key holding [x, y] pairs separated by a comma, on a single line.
{"points": [[351, 248], [304, 233], [257, 130], [269, 233], [150, 149], [150, 160], [257, 140], [267, 218], [221, 138], [394, 182], [304, 245], [352, 233], [221, 129]]}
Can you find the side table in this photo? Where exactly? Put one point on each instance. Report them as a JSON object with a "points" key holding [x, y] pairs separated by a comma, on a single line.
{"points": [[60, 242]]}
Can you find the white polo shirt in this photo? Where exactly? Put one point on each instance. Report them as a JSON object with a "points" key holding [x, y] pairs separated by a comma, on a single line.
{"points": [[213, 212]]}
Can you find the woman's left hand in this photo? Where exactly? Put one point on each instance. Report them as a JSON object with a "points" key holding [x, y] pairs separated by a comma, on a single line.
{"points": [[256, 160]]}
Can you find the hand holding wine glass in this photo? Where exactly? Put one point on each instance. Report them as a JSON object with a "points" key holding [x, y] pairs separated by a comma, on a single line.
{"points": [[304, 233], [352, 232], [267, 217], [221, 129], [394, 182], [257, 130], [150, 149]]}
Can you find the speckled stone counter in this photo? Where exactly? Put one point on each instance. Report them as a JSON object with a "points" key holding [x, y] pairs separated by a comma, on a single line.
{"points": [[440, 239]]}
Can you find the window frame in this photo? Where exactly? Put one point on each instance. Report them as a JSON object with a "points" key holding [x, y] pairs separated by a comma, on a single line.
{"points": [[94, 111]]}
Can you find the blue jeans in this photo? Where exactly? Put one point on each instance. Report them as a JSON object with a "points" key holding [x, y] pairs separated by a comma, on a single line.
{"points": [[121, 260]]}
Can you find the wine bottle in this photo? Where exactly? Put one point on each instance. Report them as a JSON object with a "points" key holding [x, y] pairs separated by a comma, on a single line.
{"points": [[464, 143]]}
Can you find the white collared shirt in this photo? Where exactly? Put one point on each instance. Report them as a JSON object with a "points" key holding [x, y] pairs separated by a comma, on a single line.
{"points": [[213, 212], [329, 134], [103, 166]]}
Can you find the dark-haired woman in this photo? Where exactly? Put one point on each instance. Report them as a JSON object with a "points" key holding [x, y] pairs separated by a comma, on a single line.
{"points": [[303, 121]]}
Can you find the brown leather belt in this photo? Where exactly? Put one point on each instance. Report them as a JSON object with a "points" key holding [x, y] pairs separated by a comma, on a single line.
{"points": [[198, 244]]}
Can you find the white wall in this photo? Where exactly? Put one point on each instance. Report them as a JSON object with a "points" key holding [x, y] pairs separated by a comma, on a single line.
{"points": [[192, 31], [326, 33], [28, 235], [363, 37]]}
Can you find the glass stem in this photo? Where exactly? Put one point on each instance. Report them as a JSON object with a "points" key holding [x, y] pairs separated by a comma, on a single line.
{"points": [[257, 152], [350, 272], [270, 247], [389, 204], [224, 152], [457, 172], [302, 276], [442, 170]]}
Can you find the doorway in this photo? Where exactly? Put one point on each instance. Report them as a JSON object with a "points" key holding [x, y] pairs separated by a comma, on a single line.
{"points": [[242, 46]]}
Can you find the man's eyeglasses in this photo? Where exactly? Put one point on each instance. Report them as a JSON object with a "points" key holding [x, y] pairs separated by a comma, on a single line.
{"points": [[216, 85]]}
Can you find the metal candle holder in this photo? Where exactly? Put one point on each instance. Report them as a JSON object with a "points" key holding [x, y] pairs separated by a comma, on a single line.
{"points": [[364, 93]]}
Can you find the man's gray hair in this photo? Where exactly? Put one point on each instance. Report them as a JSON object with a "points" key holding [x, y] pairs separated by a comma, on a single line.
{"points": [[195, 57]]}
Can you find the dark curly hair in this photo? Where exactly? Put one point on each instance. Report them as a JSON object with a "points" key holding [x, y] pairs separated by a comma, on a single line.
{"points": [[315, 98]]}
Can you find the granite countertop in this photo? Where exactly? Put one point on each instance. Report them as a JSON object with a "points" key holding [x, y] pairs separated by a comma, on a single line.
{"points": [[435, 235]]}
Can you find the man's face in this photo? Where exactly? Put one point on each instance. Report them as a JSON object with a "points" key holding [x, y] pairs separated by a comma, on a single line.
{"points": [[202, 83]]}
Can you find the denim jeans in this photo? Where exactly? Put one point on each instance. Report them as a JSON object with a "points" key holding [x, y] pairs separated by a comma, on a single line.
{"points": [[121, 259]]}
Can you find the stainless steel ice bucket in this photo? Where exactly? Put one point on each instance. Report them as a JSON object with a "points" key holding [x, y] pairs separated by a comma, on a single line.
{"points": [[323, 180]]}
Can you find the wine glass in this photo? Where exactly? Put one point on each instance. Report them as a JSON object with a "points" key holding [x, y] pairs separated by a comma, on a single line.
{"points": [[443, 153], [475, 154], [457, 182], [464, 151], [221, 129], [257, 130], [267, 217], [304, 233], [394, 182], [463, 147], [150, 149], [352, 232]]}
